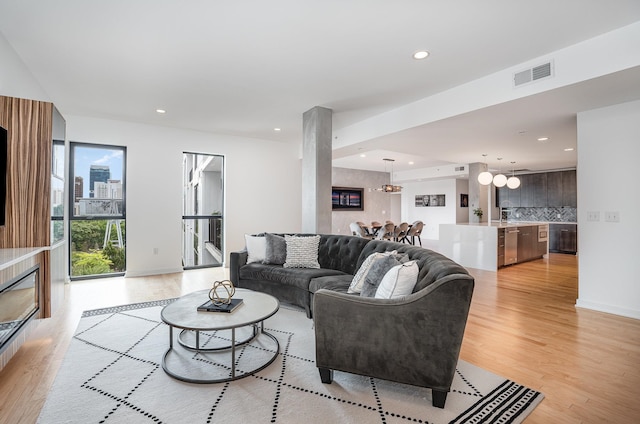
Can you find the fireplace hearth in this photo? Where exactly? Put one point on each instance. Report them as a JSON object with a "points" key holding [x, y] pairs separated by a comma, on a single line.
{"points": [[19, 303]]}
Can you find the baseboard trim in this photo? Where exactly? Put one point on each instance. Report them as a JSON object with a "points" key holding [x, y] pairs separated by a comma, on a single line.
{"points": [[147, 272], [601, 307]]}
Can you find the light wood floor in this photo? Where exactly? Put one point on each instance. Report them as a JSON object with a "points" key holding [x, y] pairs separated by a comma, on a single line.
{"points": [[523, 325]]}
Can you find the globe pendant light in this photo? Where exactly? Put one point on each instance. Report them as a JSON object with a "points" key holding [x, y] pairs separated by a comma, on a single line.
{"points": [[513, 181], [485, 178], [499, 180]]}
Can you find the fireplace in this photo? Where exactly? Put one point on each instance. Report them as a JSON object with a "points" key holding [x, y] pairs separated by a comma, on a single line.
{"points": [[19, 303]]}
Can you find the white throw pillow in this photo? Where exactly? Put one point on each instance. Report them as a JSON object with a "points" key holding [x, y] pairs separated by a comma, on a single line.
{"points": [[398, 281], [302, 252], [361, 274], [256, 248]]}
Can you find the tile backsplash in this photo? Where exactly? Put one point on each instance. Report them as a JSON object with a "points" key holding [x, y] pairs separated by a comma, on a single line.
{"points": [[540, 214]]}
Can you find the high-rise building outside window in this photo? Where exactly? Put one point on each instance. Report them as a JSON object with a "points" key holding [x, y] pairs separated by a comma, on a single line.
{"points": [[97, 173]]}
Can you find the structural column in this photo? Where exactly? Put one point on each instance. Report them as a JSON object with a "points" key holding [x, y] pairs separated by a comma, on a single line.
{"points": [[477, 192], [316, 170]]}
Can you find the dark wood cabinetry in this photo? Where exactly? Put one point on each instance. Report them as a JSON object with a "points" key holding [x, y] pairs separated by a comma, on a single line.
{"points": [[546, 189], [501, 241], [561, 189], [508, 198], [569, 189], [527, 243], [563, 238], [533, 190]]}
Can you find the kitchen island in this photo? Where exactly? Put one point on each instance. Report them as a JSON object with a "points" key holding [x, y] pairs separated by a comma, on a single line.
{"points": [[492, 246]]}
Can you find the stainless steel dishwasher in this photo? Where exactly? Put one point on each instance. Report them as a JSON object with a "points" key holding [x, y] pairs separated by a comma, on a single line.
{"points": [[511, 245]]}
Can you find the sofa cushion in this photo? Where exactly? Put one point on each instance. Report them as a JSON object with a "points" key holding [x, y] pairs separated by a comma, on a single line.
{"points": [[276, 249], [398, 281], [339, 283], [256, 248], [302, 252], [297, 277], [378, 270], [341, 252]]}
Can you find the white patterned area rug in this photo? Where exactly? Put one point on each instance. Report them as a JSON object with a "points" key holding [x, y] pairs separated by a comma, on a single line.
{"points": [[112, 373]]}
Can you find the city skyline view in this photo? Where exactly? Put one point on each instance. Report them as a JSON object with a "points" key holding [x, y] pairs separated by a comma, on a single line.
{"points": [[84, 157]]}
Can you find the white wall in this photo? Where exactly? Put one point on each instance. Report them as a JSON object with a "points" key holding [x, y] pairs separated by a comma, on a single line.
{"points": [[15, 79], [608, 154], [263, 189], [431, 216]]}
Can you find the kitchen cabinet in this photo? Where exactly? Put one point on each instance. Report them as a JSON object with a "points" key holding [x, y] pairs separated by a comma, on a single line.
{"points": [[501, 241], [569, 189], [533, 190], [563, 238], [555, 190], [520, 244], [561, 189], [527, 242], [507, 198], [541, 190]]}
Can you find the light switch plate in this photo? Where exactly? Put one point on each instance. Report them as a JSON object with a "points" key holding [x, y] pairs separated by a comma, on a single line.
{"points": [[593, 216], [612, 216]]}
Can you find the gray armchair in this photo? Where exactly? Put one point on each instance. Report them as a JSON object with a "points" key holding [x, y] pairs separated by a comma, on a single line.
{"points": [[414, 340]]}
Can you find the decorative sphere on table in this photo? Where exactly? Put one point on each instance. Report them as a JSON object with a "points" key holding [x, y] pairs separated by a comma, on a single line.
{"points": [[222, 292]]}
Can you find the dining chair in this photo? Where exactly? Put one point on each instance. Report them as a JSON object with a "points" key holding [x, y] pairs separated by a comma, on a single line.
{"points": [[400, 233], [415, 231]]}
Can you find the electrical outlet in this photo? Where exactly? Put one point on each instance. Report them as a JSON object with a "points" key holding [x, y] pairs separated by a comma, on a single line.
{"points": [[612, 216], [593, 216], [155, 250]]}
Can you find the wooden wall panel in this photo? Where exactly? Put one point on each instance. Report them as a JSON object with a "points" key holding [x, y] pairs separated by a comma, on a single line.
{"points": [[28, 123]]}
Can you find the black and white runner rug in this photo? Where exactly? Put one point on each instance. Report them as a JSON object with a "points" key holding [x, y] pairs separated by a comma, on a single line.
{"points": [[112, 373]]}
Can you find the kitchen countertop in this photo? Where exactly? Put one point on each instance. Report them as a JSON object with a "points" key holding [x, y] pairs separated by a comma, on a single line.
{"points": [[497, 224]]}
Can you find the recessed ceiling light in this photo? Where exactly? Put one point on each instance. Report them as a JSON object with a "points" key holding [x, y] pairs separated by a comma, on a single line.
{"points": [[277, 129], [543, 139], [569, 149], [363, 155], [411, 163], [422, 54], [161, 111]]}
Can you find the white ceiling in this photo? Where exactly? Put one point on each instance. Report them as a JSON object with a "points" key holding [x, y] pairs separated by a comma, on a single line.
{"points": [[246, 67]]}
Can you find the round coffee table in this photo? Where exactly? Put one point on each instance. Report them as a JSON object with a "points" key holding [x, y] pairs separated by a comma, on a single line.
{"points": [[194, 361]]}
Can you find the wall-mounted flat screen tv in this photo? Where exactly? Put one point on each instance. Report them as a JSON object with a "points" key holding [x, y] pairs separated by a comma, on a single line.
{"points": [[3, 174]]}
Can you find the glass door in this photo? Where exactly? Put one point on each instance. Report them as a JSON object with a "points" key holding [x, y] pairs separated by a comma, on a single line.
{"points": [[202, 206]]}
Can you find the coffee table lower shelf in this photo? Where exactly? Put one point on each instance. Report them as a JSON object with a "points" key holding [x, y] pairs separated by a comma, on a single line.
{"points": [[198, 361]]}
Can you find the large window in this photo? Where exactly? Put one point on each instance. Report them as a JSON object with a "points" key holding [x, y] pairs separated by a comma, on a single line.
{"points": [[202, 210], [97, 210]]}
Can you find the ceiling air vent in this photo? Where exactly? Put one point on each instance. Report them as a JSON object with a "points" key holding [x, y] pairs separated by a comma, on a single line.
{"points": [[459, 168], [533, 74]]}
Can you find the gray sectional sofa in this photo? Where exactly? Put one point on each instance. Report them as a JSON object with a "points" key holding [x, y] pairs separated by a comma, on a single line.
{"points": [[414, 339]]}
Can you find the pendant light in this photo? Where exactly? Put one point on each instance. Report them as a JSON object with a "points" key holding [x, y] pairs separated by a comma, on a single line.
{"points": [[513, 181], [390, 188], [499, 180]]}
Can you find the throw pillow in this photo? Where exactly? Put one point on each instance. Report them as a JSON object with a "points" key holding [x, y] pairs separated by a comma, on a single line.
{"points": [[358, 279], [276, 252], [256, 248], [378, 270], [361, 274], [398, 281], [302, 252]]}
